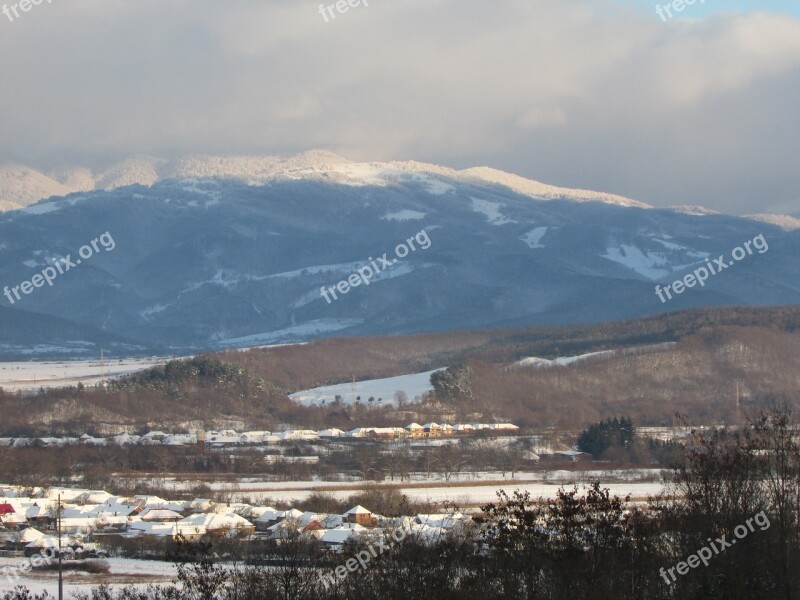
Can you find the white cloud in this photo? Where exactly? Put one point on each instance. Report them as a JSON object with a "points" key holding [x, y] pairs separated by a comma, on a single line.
{"points": [[580, 93]]}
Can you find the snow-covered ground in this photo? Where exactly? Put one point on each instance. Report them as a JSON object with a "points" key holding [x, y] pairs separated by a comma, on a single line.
{"points": [[413, 385], [469, 489], [269, 338], [535, 361], [31, 375], [471, 496], [491, 210], [563, 361], [650, 265], [124, 571]]}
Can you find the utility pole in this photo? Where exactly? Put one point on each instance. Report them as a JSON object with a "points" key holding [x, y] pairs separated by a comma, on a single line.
{"points": [[60, 570]]}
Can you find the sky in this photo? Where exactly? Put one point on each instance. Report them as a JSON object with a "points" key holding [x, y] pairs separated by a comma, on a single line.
{"points": [[701, 9], [700, 109]]}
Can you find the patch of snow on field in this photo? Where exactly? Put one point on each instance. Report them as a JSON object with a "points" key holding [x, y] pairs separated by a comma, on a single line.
{"points": [[535, 361], [31, 375], [563, 361], [476, 495], [124, 571], [413, 385]]}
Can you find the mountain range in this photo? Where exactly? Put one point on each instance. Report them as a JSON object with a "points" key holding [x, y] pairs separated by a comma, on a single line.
{"points": [[212, 252]]}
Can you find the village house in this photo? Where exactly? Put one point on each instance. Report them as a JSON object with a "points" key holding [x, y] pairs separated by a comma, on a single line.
{"points": [[255, 437], [268, 518], [20, 539], [146, 517], [432, 429], [415, 430], [229, 437], [332, 433], [160, 514], [219, 524], [336, 538], [360, 516], [387, 433], [153, 438]]}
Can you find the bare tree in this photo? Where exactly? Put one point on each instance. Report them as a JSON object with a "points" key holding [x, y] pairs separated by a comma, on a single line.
{"points": [[450, 460], [367, 460]]}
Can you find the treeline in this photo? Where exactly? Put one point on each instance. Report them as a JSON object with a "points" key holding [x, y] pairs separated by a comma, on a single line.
{"points": [[131, 470]]}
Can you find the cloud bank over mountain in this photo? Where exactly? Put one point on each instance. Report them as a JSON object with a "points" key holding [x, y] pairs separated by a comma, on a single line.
{"points": [[585, 94]]}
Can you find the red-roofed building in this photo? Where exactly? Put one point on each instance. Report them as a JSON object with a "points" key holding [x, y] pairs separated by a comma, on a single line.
{"points": [[6, 509], [313, 526]]}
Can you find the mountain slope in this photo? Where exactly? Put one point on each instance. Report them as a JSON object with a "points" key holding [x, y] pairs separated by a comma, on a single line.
{"points": [[211, 263]]}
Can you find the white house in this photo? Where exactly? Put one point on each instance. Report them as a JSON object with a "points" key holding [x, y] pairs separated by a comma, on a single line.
{"points": [[331, 433]]}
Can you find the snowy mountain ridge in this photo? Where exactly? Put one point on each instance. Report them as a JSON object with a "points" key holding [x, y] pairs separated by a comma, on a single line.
{"points": [[21, 185]]}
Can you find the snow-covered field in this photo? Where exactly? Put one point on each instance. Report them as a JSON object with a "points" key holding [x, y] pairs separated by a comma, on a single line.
{"points": [[470, 496], [564, 361], [274, 338], [413, 385], [473, 496], [470, 490], [31, 375], [124, 571]]}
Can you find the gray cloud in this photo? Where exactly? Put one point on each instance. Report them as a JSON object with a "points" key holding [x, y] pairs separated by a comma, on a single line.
{"points": [[582, 94]]}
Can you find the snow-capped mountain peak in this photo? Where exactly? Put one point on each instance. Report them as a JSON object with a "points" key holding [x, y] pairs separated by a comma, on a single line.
{"points": [[21, 185], [785, 222]]}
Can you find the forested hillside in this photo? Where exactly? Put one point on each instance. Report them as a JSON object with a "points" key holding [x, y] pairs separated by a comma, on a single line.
{"points": [[708, 365]]}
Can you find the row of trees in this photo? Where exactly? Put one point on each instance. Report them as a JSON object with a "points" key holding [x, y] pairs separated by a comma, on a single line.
{"points": [[120, 469]]}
